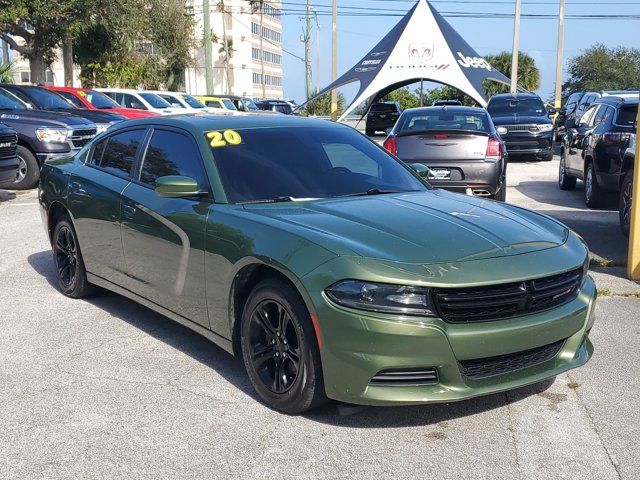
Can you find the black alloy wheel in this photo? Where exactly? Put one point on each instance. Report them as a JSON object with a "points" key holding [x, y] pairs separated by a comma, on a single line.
{"points": [[626, 197], [66, 256], [275, 346], [565, 181]]}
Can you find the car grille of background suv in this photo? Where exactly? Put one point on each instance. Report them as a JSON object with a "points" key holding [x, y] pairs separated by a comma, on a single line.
{"points": [[79, 138], [521, 128], [495, 302], [8, 151], [512, 362]]}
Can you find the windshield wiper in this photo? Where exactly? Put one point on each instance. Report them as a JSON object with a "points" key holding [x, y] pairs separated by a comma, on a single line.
{"points": [[373, 191], [270, 200]]}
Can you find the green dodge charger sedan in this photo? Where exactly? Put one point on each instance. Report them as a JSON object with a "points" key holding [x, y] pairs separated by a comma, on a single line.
{"points": [[329, 266]]}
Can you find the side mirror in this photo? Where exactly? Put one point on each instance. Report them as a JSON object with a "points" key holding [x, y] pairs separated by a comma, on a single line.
{"points": [[175, 186], [502, 130], [551, 111], [420, 169]]}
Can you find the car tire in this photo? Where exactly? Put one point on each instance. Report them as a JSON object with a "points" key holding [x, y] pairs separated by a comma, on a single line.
{"points": [[624, 208], [592, 192], [565, 181], [28, 171], [279, 348], [501, 195], [547, 158], [71, 274]]}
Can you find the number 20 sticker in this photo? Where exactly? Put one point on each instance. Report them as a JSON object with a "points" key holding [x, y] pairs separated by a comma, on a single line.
{"points": [[222, 139]]}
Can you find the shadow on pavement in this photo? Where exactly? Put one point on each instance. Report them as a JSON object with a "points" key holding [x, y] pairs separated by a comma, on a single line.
{"points": [[209, 354], [5, 196]]}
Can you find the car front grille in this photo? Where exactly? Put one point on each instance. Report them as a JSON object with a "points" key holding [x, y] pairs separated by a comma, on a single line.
{"points": [[80, 137], [491, 366], [405, 377], [521, 128], [8, 145], [495, 302]]}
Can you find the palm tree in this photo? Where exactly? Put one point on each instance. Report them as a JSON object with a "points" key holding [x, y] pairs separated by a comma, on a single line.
{"points": [[528, 72], [226, 49], [255, 4], [6, 73]]}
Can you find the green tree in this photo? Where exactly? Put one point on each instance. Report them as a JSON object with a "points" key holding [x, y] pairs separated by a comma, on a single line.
{"points": [[321, 106], [42, 25], [528, 73], [6, 73], [404, 97], [602, 68]]}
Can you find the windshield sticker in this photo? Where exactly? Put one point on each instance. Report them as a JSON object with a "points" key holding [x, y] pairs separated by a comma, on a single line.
{"points": [[82, 93], [222, 139]]}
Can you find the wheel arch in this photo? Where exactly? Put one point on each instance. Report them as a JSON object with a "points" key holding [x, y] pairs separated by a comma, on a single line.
{"points": [[245, 280], [627, 164], [56, 211]]}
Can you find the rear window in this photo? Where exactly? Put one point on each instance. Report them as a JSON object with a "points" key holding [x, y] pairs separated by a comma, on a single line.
{"points": [[627, 115], [443, 120], [384, 107], [228, 104]]}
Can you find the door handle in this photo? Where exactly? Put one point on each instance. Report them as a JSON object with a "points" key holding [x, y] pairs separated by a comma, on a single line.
{"points": [[128, 212]]}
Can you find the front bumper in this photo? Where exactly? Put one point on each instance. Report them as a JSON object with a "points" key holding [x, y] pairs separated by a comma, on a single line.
{"points": [[358, 345], [8, 171], [526, 143]]}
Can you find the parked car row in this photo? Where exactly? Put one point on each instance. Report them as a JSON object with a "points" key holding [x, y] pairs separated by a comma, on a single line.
{"points": [[50, 121]]}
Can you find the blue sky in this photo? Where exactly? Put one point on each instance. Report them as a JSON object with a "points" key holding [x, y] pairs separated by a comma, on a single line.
{"points": [[357, 34]]}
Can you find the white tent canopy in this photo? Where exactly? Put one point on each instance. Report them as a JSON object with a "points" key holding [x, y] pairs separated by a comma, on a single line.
{"points": [[421, 46]]}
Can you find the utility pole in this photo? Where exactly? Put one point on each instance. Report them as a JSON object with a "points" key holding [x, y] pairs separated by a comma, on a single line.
{"points": [[306, 38], [422, 92], [208, 58], [315, 14], [558, 99], [334, 59], [264, 94], [633, 263], [516, 48]]}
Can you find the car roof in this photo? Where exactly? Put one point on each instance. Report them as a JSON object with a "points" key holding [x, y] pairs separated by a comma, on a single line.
{"points": [[202, 122], [121, 90], [447, 108], [500, 96], [615, 100]]}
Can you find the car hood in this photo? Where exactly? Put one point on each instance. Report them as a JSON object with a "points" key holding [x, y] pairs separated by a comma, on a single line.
{"points": [[43, 118], [132, 112], [426, 227], [520, 119]]}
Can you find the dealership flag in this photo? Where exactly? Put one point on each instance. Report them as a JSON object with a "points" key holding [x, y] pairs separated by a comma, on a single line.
{"points": [[421, 46]]}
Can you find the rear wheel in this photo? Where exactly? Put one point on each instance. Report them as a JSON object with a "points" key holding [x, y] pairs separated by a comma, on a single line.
{"points": [[565, 181], [279, 348], [626, 195], [592, 191], [70, 272], [28, 170]]}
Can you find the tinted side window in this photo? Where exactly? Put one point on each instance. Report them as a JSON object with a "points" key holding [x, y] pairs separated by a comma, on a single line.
{"points": [[171, 153], [98, 151], [603, 114], [72, 98], [120, 153]]}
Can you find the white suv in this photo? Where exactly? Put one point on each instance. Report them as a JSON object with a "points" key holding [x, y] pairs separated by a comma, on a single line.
{"points": [[140, 100], [182, 100]]}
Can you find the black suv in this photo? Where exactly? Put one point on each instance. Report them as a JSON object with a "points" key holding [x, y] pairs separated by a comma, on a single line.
{"points": [[8, 157], [43, 99], [382, 116], [42, 136], [594, 150], [279, 106], [529, 130]]}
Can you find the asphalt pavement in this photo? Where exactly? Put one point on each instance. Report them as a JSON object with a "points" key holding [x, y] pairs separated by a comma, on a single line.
{"points": [[105, 388]]}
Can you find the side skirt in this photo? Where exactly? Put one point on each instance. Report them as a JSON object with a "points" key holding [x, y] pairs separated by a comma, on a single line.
{"points": [[214, 337]]}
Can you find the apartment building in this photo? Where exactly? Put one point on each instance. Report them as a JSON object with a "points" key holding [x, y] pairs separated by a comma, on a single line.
{"points": [[254, 67]]}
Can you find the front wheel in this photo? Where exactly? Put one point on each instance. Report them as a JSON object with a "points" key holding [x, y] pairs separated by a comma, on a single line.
{"points": [[592, 191], [28, 170], [279, 348], [70, 271], [565, 181], [626, 196]]}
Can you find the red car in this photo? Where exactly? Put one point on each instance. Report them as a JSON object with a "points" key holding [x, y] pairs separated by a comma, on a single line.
{"points": [[87, 98]]}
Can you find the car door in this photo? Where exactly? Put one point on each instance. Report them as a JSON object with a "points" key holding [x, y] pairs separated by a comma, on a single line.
{"points": [[163, 238], [131, 101], [95, 190], [575, 141]]}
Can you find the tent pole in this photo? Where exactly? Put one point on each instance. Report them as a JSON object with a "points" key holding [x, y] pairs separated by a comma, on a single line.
{"points": [[558, 100], [516, 48]]}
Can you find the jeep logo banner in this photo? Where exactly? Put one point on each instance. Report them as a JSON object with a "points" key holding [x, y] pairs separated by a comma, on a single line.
{"points": [[421, 46]]}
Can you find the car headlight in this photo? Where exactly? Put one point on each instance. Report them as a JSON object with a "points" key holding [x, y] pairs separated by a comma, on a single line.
{"points": [[55, 135], [545, 128], [382, 297]]}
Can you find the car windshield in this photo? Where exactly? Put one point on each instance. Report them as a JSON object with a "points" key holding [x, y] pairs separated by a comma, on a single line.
{"points": [[46, 100], [249, 104], [627, 115], [228, 104], [517, 106], [154, 100], [98, 100], [283, 164], [191, 101], [443, 119], [9, 102]]}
